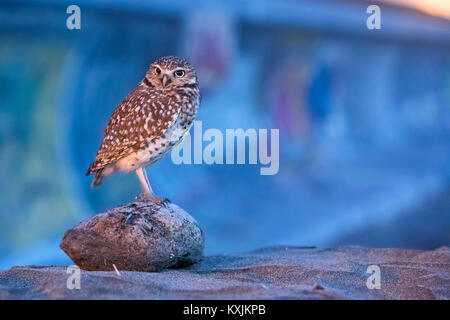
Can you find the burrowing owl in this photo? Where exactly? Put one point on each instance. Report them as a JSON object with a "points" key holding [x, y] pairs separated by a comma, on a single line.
{"points": [[149, 122]]}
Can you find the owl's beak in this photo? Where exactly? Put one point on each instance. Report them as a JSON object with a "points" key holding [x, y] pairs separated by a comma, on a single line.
{"points": [[165, 80]]}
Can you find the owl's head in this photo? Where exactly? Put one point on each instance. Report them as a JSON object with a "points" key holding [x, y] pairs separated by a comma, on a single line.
{"points": [[168, 72]]}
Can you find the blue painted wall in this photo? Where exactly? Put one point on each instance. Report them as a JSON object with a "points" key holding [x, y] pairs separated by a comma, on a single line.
{"points": [[364, 120]]}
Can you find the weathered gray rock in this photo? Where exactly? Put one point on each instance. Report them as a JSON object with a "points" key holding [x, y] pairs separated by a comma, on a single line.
{"points": [[138, 236]]}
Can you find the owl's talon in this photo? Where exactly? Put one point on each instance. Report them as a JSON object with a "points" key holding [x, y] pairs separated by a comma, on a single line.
{"points": [[164, 202]]}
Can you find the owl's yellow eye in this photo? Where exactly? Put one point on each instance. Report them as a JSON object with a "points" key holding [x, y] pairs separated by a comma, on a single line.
{"points": [[179, 73], [157, 70]]}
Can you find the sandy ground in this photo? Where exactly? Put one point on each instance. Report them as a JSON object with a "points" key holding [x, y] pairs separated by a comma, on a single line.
{"points": [[270, 273]]}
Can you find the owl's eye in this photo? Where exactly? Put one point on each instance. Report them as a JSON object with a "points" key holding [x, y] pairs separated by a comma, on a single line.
{"points": [[179, 73], [157, 70]]}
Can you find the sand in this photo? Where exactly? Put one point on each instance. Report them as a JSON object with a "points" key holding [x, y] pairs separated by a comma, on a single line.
{"points": [[270, 273]]}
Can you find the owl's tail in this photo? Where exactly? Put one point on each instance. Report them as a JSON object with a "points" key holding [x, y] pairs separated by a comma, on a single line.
{"points": [[98, 178], [99, 175]]}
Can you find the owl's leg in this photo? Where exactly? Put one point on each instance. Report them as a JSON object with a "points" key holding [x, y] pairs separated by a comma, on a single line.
{"points": [[144, 182], [147, 189]]}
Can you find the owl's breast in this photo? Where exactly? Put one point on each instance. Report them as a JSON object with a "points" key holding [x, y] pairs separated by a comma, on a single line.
{"points": [[145, 156], [158, 146]]}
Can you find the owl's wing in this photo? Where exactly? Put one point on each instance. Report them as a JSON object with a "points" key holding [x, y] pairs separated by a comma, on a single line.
{"points": [[140, 117]]}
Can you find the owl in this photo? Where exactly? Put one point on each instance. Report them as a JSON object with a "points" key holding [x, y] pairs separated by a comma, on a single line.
{"points": [[149, 122]]}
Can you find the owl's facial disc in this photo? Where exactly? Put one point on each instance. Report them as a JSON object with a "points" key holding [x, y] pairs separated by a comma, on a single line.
{"points": [[167, 78], [168, 72]]}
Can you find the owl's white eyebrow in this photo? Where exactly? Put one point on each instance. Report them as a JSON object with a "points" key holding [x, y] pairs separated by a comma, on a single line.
{"points": [[171, 70], [176, 69]]}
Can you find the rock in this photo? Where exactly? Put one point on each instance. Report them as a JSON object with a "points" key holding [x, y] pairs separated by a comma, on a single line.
{"points": [[270, 273], [139, 236]]}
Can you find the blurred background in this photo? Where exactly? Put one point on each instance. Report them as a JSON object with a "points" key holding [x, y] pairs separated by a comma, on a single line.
{"points": [[364, 119]]}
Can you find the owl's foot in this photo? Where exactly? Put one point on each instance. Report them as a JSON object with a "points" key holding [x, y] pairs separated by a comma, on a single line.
{"points": [[164, 202]]}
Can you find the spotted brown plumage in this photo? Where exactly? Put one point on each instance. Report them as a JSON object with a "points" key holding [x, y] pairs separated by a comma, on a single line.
{"points": [[149, 122]]}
